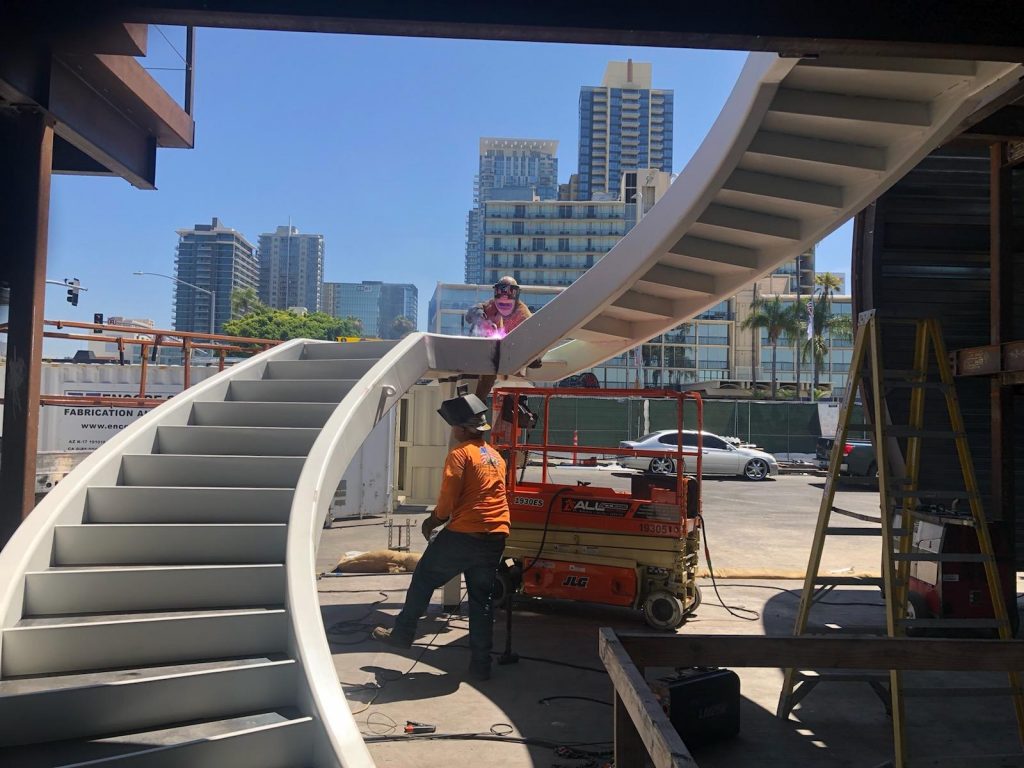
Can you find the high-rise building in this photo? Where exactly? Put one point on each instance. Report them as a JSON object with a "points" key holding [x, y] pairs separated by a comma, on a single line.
{"points": [[509, 169], [217, 259], [554, 242], [625, 124], [373, 303], [291, 269]]}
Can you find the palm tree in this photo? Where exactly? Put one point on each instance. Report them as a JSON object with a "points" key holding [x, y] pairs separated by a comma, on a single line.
{"points": [[778, 320], [244, 301], [826, 327], [828, 284]]}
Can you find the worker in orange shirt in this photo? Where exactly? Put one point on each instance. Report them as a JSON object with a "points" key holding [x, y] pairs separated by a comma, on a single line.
{"points": [[472, 502]]}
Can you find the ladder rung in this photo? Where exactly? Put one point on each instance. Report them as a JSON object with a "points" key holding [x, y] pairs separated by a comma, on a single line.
{"points": [[841, 531], [933, 517], [892, 383], [859, 428], [932, 494], [962, 693], [848, 581], [932, 557], [950, 623], [933, 434], [858, 515]]}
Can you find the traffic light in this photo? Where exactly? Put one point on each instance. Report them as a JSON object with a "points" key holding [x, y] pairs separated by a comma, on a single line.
{"points": [[97, 318], [72, 291]]}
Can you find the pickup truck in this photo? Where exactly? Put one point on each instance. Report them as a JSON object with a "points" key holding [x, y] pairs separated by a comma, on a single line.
{"points": [[858, 457]]}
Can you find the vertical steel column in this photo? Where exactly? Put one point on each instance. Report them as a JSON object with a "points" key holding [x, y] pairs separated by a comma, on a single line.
{"points": [[1000, 329], [26, 155]]}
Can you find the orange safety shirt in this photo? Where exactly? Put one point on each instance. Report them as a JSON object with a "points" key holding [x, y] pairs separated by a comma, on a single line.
{"points": [[473, 490], [507, 324]]}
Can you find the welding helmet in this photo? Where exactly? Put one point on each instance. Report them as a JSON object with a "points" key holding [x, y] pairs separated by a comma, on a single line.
{"points": [[467, 411], [507, 286]]}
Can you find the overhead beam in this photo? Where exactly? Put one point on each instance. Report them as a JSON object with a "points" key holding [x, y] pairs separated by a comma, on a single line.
{"points": [[1005, 125], [68, 159], [104, 37], [948, 30], [679, 279]]}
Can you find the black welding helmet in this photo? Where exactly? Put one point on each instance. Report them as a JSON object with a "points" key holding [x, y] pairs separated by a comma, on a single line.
{"points": [[467, 411]]}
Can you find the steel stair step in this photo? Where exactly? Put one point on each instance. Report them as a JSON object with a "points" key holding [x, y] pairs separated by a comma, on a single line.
{"points": [[290, 390], [182, 504], [66, 591], [318, 369], [44, 709], [277, 739], [78, 644], [348, 350], [211, 471], [235, 441], [232, 413], [169, 544]]}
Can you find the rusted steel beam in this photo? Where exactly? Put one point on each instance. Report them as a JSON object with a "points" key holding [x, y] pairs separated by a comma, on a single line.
{"points": [[26, 146]]}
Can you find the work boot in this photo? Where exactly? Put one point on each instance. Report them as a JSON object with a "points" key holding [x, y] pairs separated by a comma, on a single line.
{"points": [[480, 670], [386, 635]]}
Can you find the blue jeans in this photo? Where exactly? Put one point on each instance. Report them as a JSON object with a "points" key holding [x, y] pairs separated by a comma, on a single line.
{"points": [[447, 556]]}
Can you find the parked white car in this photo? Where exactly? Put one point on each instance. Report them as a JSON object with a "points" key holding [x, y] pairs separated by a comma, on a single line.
{"points": [[719, 457]]}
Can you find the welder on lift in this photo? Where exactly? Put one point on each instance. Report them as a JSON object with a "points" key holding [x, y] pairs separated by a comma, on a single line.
{"points": [[472, 502], [503, 313]]}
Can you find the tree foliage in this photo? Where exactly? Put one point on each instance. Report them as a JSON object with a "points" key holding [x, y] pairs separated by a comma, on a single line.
{"points": [[401, 326], [244, 301], [265, 323], [778, 320]]}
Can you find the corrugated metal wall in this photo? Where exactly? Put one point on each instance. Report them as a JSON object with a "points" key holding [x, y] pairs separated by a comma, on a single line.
{"points": [[922, 250]]}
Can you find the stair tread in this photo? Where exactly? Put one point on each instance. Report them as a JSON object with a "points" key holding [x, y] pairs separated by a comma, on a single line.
{"points": [[73, 752], [70, 569], [25, 684], [81, 619]]}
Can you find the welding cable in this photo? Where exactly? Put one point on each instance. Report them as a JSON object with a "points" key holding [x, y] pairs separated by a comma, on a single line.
{"points": [[732, 609], [547, 522], [795, 593], [423, 649]]}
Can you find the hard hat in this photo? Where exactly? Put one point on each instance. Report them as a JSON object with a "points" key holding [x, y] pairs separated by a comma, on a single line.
{"points": [[467, 411]]}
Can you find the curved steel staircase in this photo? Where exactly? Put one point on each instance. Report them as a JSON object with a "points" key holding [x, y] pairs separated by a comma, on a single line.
{"points": [[159, 607]]}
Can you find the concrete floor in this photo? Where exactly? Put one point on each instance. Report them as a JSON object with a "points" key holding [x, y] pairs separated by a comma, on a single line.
{"points": [[558, 692]]}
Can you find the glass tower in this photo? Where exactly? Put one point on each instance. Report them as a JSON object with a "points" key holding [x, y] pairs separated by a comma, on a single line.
{"points": [[218, 259], [624, 125]]}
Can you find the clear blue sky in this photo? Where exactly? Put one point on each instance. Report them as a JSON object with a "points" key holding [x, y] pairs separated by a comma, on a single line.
{"points": [[371, 141]]}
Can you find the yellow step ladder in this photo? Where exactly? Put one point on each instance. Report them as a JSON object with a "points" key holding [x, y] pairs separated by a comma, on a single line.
{"points": [[902, 503]]}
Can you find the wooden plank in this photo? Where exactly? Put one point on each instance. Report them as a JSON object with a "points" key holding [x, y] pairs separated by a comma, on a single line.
{"points": [[650, 723], [845, 652]]}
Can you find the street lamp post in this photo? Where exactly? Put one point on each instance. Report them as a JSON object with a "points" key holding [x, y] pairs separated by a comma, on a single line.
{"points": [[212, 294]]}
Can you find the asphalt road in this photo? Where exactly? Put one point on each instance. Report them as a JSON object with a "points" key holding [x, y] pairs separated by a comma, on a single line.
{"points": [[765, 529]]}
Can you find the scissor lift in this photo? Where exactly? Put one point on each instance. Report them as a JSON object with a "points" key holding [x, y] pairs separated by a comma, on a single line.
{"points": [[585, 542]]}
